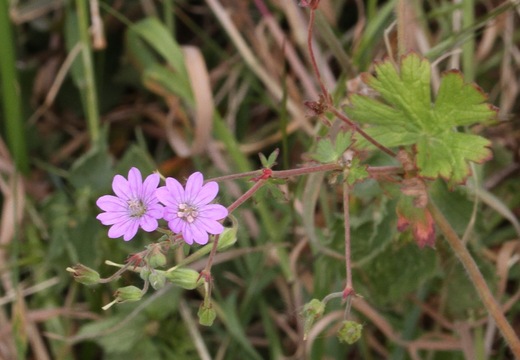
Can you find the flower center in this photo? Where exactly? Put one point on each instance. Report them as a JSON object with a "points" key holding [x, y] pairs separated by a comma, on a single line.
{"points": [[136, 208], [187, 212]]}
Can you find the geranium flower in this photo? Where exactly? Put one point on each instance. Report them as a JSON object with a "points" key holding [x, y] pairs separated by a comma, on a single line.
{"points": [[188, 210], [135, 205]]}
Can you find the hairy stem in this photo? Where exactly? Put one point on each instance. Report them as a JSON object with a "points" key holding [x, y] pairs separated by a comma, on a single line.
{"points": [[246, 195], [374, 171], [349, 289], [207, 269], [477, 279]]}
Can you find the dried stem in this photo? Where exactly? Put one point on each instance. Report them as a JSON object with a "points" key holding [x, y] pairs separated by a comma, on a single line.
{"points": [[477, 279]]}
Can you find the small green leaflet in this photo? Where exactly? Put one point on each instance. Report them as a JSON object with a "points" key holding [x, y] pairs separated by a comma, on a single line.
{"points": [[405, 116], [356, 172], [328, 151], [271, 160]]}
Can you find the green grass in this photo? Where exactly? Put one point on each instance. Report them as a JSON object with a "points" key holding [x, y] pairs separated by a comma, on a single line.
{"points": [[133, 103]]}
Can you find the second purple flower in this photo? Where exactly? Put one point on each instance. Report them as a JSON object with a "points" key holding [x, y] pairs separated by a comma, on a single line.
{"points": [[188, 210]]}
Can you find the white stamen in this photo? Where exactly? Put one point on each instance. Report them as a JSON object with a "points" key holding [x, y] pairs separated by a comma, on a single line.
{"points": [[136, 207], [187, 212]]}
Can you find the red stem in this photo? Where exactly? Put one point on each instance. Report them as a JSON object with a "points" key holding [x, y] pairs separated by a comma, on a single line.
{"points": [[246, 195], [313, 58]]}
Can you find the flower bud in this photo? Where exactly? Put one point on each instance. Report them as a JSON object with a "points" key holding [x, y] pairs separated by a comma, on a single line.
{"points": [[185, 278], [157, 279], [314, 308], [128, 293], [84, 274], [312, 311], [206, 314], [144, 273], [350, 332], [156, 258], [227, 238]]}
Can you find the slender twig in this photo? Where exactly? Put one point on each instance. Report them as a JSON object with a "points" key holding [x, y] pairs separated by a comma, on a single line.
{"points": [[324, 91], [477, 279], [305, 170], [349, 289], [246, 195], [207, 269], [242, 175], [282, 174], [331, 296], [122, 269], [327, 98]]}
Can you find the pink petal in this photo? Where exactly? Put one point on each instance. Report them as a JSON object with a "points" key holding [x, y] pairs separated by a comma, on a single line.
{"points": [[210, 226], [121, 187], [135, 181], [170, 214], [213, 211], [148, 223], [149, 186], [163, 194], [199, 236], [193, 186], [177, 225], [206, 194], [176, 190], [127, 228], [187, 235], [111, 203], [111, 218], [155, 210], [131, 231]]}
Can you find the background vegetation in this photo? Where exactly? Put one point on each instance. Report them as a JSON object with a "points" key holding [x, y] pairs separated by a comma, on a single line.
{"points": [[92, 88]]}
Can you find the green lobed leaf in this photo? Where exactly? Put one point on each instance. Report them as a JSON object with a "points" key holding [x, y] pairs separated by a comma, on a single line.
{"points": [[406, 116], [325, 152], [328, 151]]}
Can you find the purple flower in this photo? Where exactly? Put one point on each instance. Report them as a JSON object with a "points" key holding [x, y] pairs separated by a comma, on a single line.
{"points": [[188, 210], [135, 205]]}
